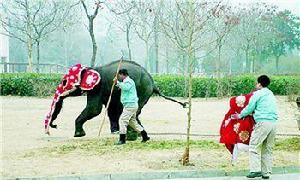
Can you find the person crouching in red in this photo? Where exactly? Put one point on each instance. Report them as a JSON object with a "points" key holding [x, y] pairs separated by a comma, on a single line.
{"points": [[235, 133]]}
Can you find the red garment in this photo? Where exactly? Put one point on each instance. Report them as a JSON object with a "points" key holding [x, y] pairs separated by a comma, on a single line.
{"points": [[234, 131]]}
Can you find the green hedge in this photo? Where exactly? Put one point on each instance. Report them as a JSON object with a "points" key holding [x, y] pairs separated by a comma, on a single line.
{"points": [[175, 86], [25, 84]]}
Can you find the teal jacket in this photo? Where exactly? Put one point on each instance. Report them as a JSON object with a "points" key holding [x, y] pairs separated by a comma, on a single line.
{"points": [[263, 104], [129, 97]]}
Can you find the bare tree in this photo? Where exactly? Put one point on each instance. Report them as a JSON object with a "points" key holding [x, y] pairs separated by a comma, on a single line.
{"points": [[224, 20], [32, 21], [143, 24], [91, 18], [185, 24], [48, 17], [253, 25], [123, 18], [18, 24]]}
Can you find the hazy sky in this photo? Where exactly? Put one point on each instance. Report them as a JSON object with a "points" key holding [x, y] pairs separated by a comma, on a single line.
{"points": [[293, 5]]}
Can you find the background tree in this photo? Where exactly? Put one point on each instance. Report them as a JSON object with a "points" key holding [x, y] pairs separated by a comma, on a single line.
{"points": [[286, 29], [91, 18], [32, 21], [123, 18], [247, 45], [143, 25], [255, 31], [185, 24], [224, 21], [18, 24], [48, 17]]}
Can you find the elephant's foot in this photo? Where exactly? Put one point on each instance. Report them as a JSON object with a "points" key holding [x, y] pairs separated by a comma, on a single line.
{"points": [[115, 131], [79, 133]]}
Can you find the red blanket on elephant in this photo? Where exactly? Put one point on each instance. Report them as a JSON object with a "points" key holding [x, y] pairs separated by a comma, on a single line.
{"points": [[234, 131], [78, 76]]}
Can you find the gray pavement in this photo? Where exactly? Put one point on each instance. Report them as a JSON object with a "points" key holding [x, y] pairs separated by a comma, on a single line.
{"points": [[279, 173], [294, 176]]}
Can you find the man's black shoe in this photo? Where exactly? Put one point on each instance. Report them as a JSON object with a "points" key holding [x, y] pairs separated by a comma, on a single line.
{"points": [[122, 139], [265, 176], [145, 136], [254, 175]]}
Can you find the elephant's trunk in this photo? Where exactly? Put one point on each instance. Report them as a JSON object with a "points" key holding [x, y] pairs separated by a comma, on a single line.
{"points": [[56, 106], [57, 109]]}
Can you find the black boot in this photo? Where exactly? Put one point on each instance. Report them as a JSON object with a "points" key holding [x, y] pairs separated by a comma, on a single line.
{"points": [[122, 139], [145, 136], [254, 174]]}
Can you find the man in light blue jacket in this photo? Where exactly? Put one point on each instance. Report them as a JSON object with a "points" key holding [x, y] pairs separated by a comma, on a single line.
{"points": [[263, 104], [129, 99]]}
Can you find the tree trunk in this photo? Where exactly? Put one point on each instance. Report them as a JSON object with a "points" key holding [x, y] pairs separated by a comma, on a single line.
{"points": [[29, 37], [156, 44], [277, 64], [218, 64], [186, 77], [230, 65], [128, 41], [191, 59], [147, 56], [186, 155], [38, 56], [91, 31], [219, 83], [66, 57], [29, 54], [253, 65], [167, 60], [248, 68]]}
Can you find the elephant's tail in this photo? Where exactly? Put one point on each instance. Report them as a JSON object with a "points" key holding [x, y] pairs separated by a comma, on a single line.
{"points": [[157, 91]]}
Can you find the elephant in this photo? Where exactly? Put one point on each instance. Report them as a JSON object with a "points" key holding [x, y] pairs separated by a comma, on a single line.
{"points": [[99, 95]]}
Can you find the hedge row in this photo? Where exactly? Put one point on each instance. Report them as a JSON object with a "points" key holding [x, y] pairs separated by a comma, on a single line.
{"points": [[211, 87], [25, 84]]}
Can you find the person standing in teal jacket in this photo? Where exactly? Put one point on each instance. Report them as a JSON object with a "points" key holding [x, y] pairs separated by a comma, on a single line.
{"points": [[263, 105], [129, 100]]}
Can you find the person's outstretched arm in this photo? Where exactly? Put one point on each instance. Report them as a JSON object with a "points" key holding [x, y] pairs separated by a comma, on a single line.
{"points": [[250, 107], [124, 85]]}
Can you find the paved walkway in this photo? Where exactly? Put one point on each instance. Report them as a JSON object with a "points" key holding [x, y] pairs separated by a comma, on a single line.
{"points": [[295, 176], [280, 173]]}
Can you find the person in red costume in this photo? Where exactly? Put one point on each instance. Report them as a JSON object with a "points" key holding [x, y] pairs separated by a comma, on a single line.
{"points": [[235, 133]]}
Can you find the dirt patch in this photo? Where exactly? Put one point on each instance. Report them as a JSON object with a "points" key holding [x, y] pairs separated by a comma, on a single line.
{"points": [[22, 132]]}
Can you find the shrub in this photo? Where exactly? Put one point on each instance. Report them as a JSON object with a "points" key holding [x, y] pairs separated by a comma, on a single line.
{"points": [[174, 85], [29, 84]]}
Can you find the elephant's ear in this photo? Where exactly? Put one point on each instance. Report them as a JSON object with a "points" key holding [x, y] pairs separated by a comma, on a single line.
{"points": [[89, 79]]}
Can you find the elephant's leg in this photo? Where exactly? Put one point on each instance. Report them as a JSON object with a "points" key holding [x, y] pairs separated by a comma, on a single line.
{"points": [[114, 112], [142, 103], [92, 109]]}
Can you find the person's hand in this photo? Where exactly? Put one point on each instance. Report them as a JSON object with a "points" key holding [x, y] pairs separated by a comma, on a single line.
{"points": [[115, 80], [235, 116]]}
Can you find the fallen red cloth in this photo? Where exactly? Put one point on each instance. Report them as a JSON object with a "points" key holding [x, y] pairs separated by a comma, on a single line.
{"points": [[234, 131]]}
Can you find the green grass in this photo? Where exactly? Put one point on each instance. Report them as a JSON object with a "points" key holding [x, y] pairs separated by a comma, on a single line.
{"points": [[98, 147], [289, 144]]}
